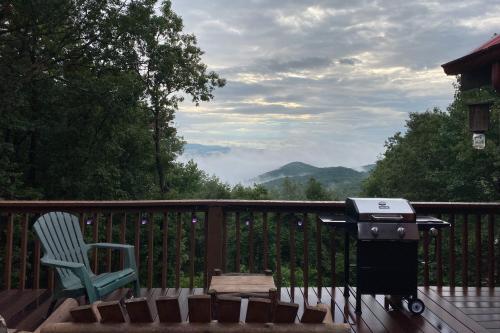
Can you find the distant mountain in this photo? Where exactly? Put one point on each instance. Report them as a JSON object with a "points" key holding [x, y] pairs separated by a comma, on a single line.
{"points": [[368, 167], [345, 181], [293, 169], [204, 150]]}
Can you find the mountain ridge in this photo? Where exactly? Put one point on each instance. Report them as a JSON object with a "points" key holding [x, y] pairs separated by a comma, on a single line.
{"points": [[343, 180]]}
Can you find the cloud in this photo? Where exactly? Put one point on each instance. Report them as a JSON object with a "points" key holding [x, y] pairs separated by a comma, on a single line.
{"points": [[255, 77], [486, 22], [241, 164], [307, 18], [277, 65], [262, 102], [349, 61], [303, 76], [218, 24]]}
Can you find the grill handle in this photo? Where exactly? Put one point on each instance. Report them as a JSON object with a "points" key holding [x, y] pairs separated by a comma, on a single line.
{"points": [[387, 218]]}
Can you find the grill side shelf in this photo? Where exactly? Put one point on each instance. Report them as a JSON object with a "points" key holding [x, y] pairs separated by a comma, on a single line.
{"points": [[428, 222], [335, 221]]}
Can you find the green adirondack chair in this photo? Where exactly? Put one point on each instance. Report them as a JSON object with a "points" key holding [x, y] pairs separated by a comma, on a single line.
{"points": [[65, 250]]}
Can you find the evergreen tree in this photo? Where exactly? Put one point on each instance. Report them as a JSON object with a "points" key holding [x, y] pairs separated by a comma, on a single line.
{"points": [[316, 191]]}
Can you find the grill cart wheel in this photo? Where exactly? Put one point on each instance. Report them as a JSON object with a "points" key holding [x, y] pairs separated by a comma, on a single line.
{"points": [[416, 306]]}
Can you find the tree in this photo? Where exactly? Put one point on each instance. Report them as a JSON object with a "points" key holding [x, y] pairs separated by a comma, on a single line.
{"points": [[255, 192], [68, 95], [435, 160], [170, 67], [290, 190], [316, 191], [89, 89]]}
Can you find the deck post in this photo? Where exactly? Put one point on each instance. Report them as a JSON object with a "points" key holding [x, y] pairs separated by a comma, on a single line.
{"points": [[214, 240]]}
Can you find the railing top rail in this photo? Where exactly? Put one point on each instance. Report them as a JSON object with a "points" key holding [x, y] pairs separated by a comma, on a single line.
{"points": [[161, 205], [458, 207], [201, 205]]}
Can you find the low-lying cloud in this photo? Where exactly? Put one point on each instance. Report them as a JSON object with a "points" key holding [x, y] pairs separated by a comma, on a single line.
{"points": [[240, 165]]}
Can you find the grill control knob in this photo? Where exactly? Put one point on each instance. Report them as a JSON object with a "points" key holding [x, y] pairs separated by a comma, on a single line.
{"points": [[374, 231], [401, 232]]}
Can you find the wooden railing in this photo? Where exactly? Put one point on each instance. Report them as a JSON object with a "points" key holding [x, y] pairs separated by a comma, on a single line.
{"points": [[178, 243]]}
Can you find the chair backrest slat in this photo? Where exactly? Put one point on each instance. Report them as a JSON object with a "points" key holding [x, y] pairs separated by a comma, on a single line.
{"points": [[62, 239], [76, 238], [50, 243], [65, 236], [58, 235]]}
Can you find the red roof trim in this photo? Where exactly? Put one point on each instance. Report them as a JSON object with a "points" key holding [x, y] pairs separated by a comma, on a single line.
{"points": [[494, 41], [487, 53]]}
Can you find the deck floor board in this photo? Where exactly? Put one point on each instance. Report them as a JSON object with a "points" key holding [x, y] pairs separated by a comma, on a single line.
{"points": [[405, 319], [447, 309]]}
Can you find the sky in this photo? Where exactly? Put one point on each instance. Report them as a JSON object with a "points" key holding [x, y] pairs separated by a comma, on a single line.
{"points": [[321, 82]]}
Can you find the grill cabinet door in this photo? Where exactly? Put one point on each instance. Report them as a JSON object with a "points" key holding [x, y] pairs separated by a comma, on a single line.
{"points": [[387, 267]]}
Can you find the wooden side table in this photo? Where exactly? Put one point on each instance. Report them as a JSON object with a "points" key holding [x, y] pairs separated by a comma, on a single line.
{"points": [[243, 285]]}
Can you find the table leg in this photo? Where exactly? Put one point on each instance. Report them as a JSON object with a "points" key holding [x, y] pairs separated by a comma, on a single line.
{"points": [[213, 299], [273, 296]]}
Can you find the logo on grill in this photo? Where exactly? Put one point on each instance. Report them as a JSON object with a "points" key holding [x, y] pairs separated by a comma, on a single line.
{"points": [[383, 205]]}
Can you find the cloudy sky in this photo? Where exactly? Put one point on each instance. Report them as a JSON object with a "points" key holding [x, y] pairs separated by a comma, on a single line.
{"points": [[322, 82]]}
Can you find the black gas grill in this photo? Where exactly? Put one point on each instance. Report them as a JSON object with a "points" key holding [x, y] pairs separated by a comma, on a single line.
{"points": [[387, 234]]}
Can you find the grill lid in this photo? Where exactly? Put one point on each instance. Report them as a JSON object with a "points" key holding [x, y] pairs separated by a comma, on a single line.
{"points": [[379, 210]]}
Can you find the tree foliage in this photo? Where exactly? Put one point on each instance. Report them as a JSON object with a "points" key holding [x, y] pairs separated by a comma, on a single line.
{"points": [[316, 191], [313, 190], [89, 89], [434, 159], [170, 66]]}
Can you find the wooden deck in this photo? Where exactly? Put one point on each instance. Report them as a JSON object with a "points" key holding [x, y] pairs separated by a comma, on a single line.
{"points": [[448, 310]]}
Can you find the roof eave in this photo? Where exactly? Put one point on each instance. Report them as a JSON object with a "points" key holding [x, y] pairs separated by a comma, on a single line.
{"points": [[473, 60]]}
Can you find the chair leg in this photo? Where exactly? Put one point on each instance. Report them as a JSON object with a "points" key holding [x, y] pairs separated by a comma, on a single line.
{"points": [[92, 296], [137, 288]]}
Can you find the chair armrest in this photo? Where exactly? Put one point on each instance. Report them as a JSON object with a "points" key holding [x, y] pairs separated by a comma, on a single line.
{"points": [[127, 249], [110, 246], [61, 264]]}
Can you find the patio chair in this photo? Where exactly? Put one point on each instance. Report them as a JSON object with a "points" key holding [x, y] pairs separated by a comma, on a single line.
{"points": [[65, 250]]}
